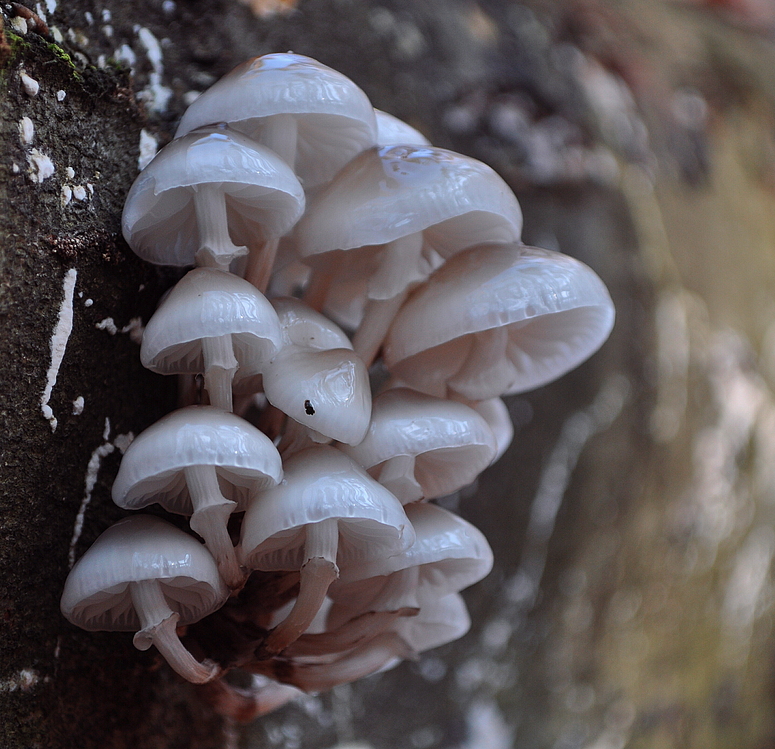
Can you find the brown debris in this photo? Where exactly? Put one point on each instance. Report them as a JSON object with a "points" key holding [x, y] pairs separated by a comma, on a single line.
{"points": [[270, 8]]}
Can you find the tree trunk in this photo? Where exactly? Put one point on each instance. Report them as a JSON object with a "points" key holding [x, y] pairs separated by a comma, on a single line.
{"points": [[606, 123]]}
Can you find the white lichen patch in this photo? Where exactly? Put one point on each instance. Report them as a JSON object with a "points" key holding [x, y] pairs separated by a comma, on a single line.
{"points": [[26, 131], [155, 95], [107, 324], [126, 55], [19, 24], [70, 172], [148, 148], [65, 195], [24, 681], [134, 328], [79, 192], [59, 340], [121, 443], [29, 84], [78, 404], [41, 167]]}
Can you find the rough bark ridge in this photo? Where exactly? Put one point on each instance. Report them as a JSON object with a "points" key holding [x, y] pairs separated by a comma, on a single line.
{"points": [[541, 90]]}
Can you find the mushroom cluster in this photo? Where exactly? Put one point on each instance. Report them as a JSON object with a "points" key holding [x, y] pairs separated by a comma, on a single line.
{"points": [[322, 560]]}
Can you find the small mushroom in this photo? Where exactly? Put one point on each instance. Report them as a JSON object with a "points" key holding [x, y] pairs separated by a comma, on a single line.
{"points": [[448, 554], [316, 378], [327, 513], [216, 324], [143, 575], [420, 447], [208, 198], [498, 319], [313, 117], [202, 462]]}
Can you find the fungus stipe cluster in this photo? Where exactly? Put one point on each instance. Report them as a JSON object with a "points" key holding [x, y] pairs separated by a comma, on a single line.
{"points": [[304, 209]]}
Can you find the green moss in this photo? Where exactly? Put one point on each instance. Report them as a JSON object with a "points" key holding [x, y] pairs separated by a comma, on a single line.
{"points": [[64, 58]]}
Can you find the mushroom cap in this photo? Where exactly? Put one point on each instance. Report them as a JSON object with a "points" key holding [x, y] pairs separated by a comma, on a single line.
{"points": [[441, 620], [142, 547], [451, 443], [555, 312], [322, 483], [335, 119], [263, 196], [495, 412], [450, 552], [209, 303], [303, 326], [326, 391], [388, 193], [317, 379], [151, 470], [394, 132]]}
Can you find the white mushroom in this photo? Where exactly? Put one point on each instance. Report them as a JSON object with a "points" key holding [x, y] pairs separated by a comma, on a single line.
{"points": [[202, 462], [143, 575], [448, 554], [400, 211], [394, 132], [316, 378], [420, 447], [496, 320], [216, 324], [313, 117], [326, 514], [208, 198]]}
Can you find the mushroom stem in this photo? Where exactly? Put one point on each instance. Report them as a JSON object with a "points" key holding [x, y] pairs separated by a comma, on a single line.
{"points": [[211, 514], [220, 364], [366, 659], [375, 324], [397, 476], [216, 250], [280, 133], [399, 266], [348, 635], [159, 628], [316, 575], [487, 363], [260, 262], [245, 705], [320, 281]]}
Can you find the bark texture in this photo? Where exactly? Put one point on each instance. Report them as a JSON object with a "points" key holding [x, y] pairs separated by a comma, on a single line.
{"points": [[631, 518]]}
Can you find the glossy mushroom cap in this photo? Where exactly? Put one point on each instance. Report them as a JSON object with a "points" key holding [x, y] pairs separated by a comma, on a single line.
{"points": [[419, 446], [316, 378], [332, 116], [449, 554], [152, 468], [322, 483], [440, 621], [389, 193], [394, 132], [255, 191], [497, 320], [142, 547], [204, 306]]}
